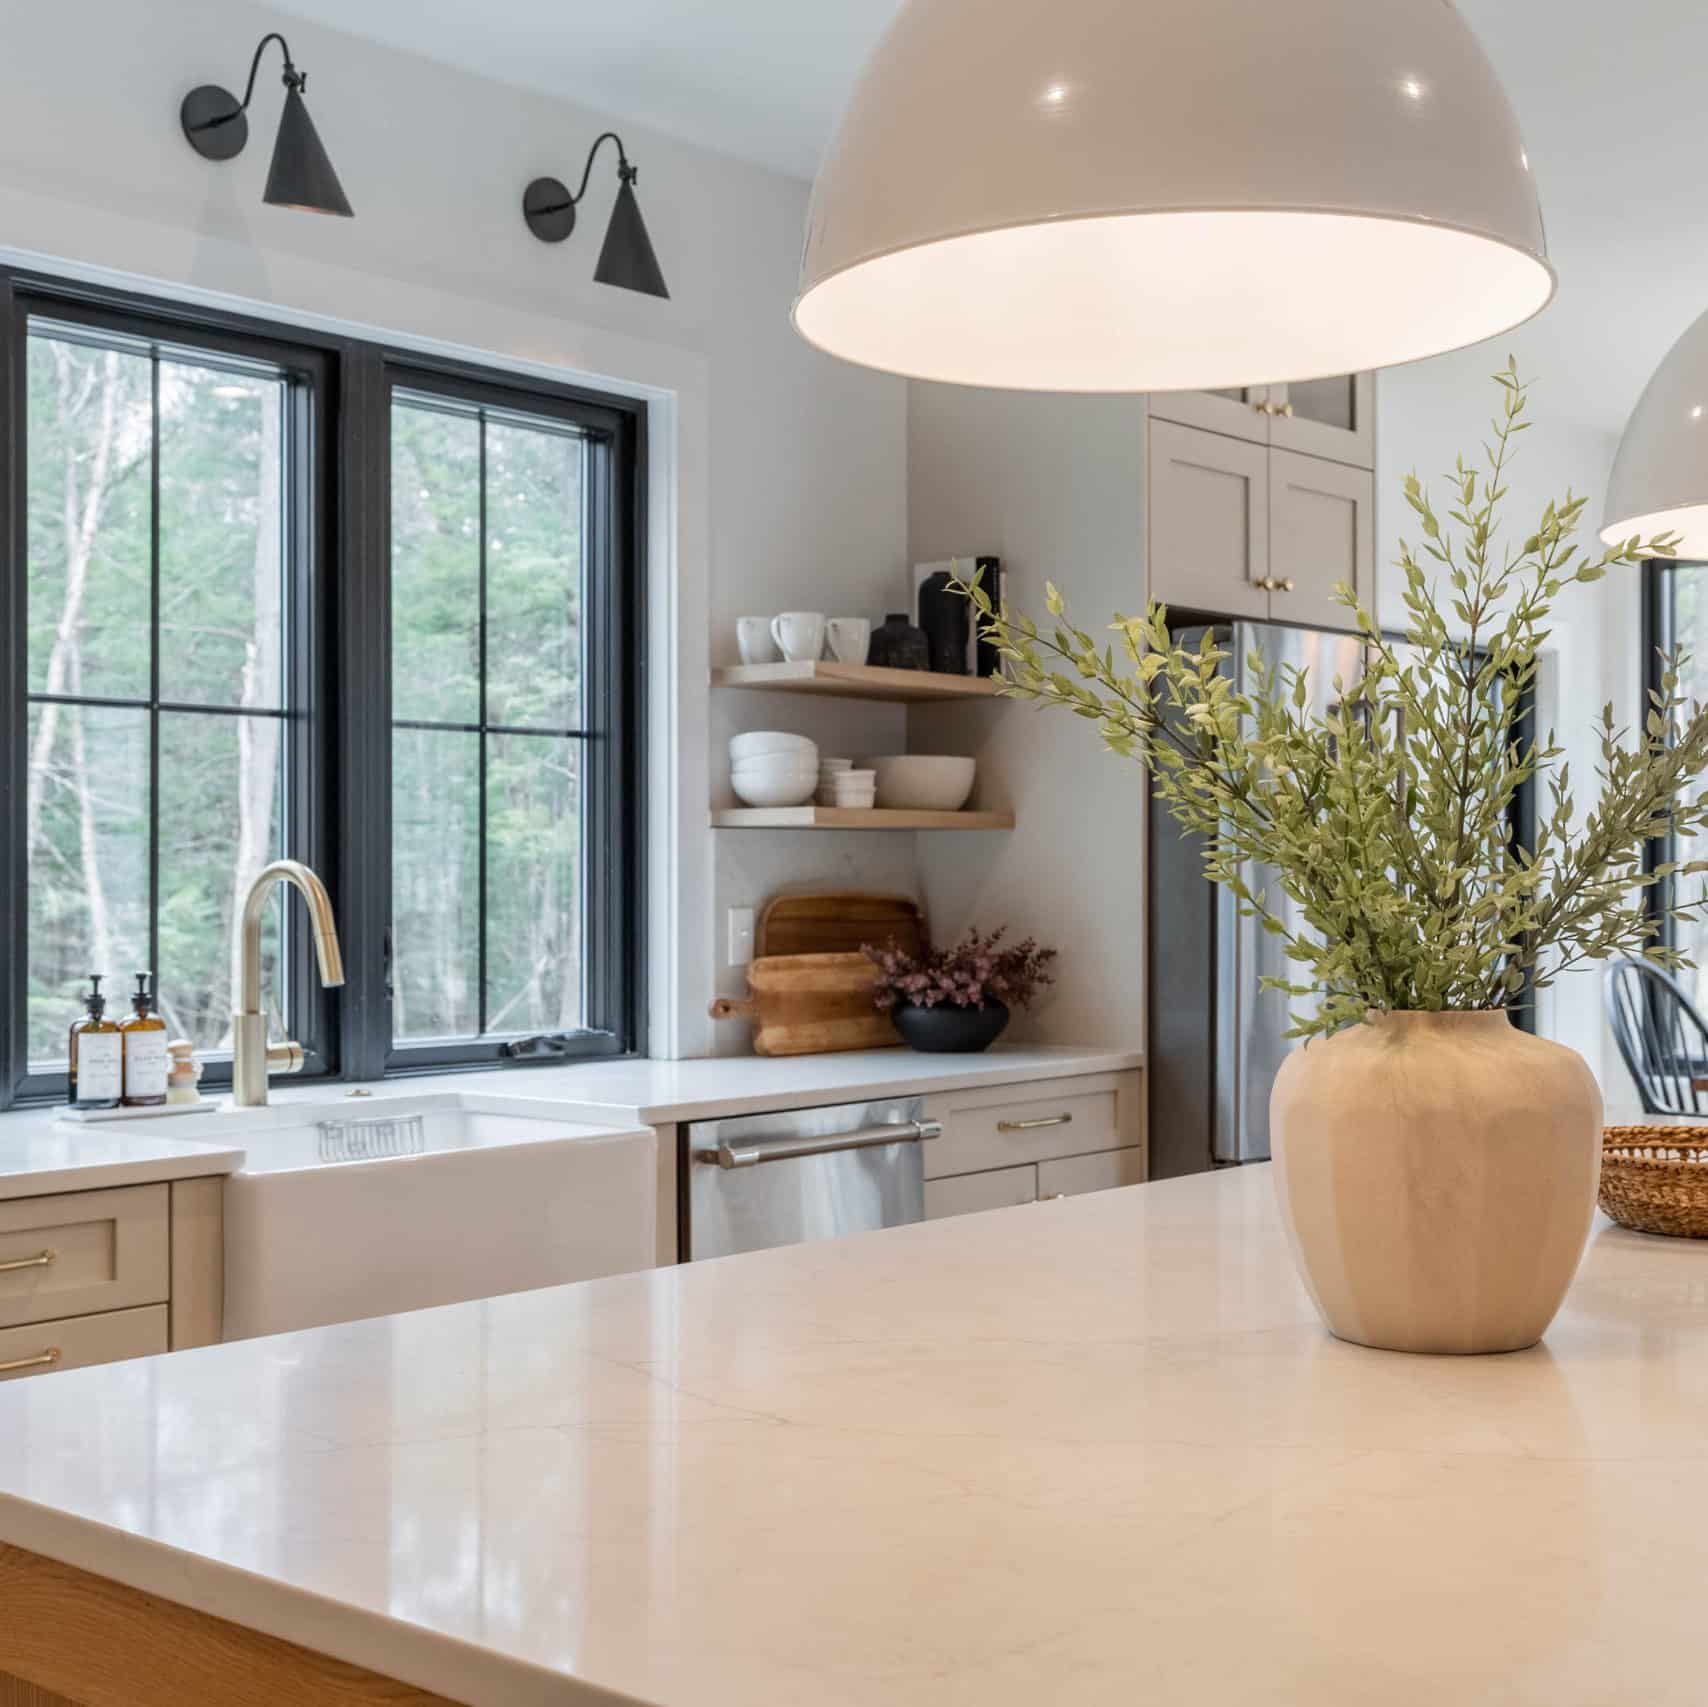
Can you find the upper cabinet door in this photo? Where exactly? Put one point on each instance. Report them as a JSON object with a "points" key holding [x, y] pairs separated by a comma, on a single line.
{"points": [[1242, 412], [1335, 418], [1208, 521], [1322, 531]]}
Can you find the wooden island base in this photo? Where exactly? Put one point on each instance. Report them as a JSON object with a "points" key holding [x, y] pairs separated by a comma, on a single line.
{"points": [[72, 1639]]}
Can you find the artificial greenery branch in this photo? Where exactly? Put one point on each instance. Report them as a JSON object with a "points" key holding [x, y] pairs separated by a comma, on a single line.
{"points": [[1388, 819]]}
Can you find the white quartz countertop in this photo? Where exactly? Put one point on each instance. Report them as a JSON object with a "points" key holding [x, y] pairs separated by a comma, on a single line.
{"points": [[40, 1154], [1088, 1452]]}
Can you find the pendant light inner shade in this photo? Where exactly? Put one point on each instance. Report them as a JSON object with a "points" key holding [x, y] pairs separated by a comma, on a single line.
{"points": [[1660, 476], [301, 175], [1088, 195], [627, 259]]}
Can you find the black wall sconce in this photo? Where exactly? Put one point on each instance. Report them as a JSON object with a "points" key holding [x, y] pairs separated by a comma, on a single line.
{"points": [[627, 259], [301, 176]]}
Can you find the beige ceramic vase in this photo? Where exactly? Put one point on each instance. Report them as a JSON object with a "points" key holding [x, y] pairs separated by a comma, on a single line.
{"points": [[1437, 1176]]}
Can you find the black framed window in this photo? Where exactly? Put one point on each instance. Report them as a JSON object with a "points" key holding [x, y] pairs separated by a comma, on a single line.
{"points": [[1675, 616], [267, 592], [166, 492], [514, 847]]}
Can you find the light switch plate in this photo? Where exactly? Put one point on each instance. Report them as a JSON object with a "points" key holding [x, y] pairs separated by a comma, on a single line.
{"points": [[740, 936]]}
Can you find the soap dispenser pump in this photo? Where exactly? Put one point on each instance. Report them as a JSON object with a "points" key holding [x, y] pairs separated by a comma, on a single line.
{"points": [[96, 1051], [144, 1036]]}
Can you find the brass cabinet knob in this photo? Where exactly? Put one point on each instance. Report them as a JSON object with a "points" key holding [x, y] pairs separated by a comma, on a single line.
{"points": [[1285, 409], [1284, 585]]}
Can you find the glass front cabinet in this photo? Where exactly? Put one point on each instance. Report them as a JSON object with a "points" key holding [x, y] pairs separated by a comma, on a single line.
{"points": [[1333, 418]]}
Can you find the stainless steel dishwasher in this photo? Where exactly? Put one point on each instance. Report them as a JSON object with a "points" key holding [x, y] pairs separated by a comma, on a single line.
{"points": [[813, 1173]]}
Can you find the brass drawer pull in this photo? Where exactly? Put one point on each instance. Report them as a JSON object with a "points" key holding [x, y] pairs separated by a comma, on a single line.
{"points": [[42, 1360], [42, 1259], [1034, 1125]]}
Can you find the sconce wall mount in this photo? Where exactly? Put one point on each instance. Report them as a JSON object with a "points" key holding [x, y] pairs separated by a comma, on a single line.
{"points": [[216, 125], [627, 259]]}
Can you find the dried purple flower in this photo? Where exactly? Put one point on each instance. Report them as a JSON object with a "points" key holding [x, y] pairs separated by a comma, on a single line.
{"points": [[975, 971]]}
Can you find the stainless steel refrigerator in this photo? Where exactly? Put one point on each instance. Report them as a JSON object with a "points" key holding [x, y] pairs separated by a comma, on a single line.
{"points": [[1216, 1039]]}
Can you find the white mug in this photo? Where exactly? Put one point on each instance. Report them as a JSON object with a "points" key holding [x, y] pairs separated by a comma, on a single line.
{"points": [[799, 635], [849, 637], [753, 640]]}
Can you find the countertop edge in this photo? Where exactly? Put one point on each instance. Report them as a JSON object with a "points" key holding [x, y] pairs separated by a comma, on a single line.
{"points": [[395, 1648], [104, 1176]]}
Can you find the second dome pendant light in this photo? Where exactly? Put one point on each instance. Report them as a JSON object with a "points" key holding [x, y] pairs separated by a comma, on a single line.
{"points": [[1139, 195]]}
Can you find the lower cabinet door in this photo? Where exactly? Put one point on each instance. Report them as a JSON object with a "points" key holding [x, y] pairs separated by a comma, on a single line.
{"points": [[1074, 1174], [966, 1194], [76, 1343]]}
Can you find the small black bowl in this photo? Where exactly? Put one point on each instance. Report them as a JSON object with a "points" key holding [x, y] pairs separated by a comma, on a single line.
{"points": [[949, 1030]]}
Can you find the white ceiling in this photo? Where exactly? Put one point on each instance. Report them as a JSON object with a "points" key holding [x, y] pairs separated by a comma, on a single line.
{"points": [[759, 79], [1608, 95]]}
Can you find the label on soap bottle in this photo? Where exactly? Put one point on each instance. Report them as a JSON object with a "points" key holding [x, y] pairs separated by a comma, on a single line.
{"points": [[145, 1063], [100, 1073]]}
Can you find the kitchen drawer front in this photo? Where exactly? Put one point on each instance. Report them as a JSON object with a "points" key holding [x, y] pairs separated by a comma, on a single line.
{"points": [[1024, 1123], [1074, 1174], [81, 1341], [83, 1251], [967, 1194]]}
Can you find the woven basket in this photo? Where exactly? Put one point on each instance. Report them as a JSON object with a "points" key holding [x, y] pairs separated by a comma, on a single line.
{"points": [[1654, 1179]]}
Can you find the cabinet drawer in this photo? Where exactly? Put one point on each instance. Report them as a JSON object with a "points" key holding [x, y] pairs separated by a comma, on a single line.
{"points": [[84, 1251], [1074, 1174], [75, 1344], [1031, 1123], [969, 1193]]}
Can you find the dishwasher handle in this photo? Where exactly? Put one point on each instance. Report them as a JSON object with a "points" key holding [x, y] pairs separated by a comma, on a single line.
{"points": [[727, 1155]]}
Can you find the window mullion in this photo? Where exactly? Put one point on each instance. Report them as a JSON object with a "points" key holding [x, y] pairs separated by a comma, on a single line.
{"points": [[153, 664], [480, 909]]}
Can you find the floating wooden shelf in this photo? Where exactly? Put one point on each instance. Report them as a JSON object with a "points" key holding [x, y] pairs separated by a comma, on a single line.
{"points": [[854, 818], [856, 681]]}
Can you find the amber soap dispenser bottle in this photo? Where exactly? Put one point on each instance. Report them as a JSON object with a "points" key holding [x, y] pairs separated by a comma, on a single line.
{"points": [[144, 1036], [96, 1054]]}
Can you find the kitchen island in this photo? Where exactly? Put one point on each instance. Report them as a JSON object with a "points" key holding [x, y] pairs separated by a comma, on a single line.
{"points": [[1082, 1452]]}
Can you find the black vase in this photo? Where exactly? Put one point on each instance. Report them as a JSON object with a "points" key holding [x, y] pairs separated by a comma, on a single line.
{"points": [[898, 645], [943, 615], [949, 1030]]}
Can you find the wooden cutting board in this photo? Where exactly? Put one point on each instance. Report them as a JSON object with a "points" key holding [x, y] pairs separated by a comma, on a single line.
{"points": [[808, 1004], [837, 923]]}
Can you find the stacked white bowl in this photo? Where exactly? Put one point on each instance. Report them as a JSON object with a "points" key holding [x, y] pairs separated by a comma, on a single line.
{"points": [[769, 768], [828, 771], [839, 784]]}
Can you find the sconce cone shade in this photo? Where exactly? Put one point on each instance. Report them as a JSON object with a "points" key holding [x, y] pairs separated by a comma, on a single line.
{"points": [[1660, 476], [301, 176], [627, 259], [1086, 195]]}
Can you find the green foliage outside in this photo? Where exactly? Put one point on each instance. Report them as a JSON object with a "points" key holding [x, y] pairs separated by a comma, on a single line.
{"points": [[225, 643], [1387, 819]]}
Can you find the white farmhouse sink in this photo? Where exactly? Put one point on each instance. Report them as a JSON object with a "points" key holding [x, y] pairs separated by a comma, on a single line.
{"points": [[360, 1206]]}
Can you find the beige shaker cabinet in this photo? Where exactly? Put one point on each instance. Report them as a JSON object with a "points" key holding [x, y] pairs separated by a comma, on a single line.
{"points": [[1322, 532], [1011, 1144], [1333, 418], [99, 1276], [1238, 529], [1208, 519]]}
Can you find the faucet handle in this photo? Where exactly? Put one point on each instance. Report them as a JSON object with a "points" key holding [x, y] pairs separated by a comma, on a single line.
{"points": [[286, 1057]]}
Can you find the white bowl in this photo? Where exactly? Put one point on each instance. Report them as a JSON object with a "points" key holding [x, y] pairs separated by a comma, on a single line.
{"points": [[758, 788], [924, 782], [762, 741], [794, 763]]}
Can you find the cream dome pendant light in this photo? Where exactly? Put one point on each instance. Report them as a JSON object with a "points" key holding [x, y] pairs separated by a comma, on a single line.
{"points": [[1138, 195], [1660, 476]]}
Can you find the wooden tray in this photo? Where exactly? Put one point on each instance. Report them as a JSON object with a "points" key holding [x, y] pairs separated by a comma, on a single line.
{"points": [[810, 1004], [837, 923]]}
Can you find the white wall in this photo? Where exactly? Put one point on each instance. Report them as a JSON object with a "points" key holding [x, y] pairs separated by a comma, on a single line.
{"points": [[1428, 414], [1053, 486], [782, 473]]}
